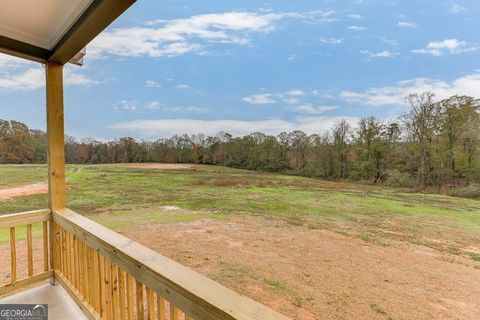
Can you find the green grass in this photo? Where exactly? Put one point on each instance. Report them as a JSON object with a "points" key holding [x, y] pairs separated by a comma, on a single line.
{"points": [[120, 197], [12, 175]]}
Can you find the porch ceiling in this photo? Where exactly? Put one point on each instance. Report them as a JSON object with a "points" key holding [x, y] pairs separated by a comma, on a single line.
{"points": [[54, 30]]}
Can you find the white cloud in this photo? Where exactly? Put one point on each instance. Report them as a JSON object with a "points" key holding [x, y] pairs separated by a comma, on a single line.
{"points": [[452, 46], [395, 95], [131, 105], [182, 86], [167, 38], [153, 129], [295, 93], [355, 16], [309, 108], [152, 105], [456, 8], [152, 84], [391, 42], [406, 24], [380, 54], [30, 79], [260, 99], [10, 62], [73, 78], [332, 40], [357, 28], [34, 78]]}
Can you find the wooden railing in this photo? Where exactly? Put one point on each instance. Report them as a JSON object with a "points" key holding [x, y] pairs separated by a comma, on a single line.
{"points": [[10, 224], [113, 277]]}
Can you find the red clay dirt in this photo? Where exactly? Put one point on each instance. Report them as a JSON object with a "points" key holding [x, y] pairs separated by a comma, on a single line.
{"points": [[26, 190], [309, 273], [318, 274]]}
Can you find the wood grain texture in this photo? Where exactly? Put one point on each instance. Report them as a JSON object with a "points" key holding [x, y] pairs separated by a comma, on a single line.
{"points": [[194, 294], [55, 136]]}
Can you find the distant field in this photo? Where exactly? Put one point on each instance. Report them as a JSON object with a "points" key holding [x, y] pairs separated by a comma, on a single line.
{"points": [[309, 248]]}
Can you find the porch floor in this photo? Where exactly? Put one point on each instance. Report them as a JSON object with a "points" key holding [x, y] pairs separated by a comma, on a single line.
{"points": [[60, 305]]}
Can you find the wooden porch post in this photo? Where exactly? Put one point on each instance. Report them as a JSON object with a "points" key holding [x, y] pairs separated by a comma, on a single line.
{"points": [[56, 145]]}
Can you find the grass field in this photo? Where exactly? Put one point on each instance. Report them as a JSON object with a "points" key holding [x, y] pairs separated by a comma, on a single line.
{"points": [[136, 201]]}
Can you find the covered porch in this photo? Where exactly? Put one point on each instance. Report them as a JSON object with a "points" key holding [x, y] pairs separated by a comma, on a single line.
{"points": [[87, 270]]}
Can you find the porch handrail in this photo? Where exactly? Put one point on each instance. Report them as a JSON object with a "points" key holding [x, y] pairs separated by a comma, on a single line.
{"points": [[26, 219], [197, 296]]}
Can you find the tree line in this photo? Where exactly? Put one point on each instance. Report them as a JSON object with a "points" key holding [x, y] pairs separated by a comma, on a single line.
{"points": [[435, 144]]}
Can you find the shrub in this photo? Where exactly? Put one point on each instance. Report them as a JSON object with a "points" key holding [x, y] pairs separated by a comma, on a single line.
{"points": [[396, 178]]}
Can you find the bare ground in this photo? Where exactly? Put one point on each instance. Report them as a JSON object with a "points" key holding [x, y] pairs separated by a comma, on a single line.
{"points": [[25, 190], [310, 273], [317, 274]]}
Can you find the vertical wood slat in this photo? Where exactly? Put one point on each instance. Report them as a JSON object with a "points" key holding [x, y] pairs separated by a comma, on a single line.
{"points": [[174, 312], [86, 284], [45, 246], [150, 304], [53, 248], [80, 267], [130, 298], [67, 254], [70, 256], [76, 280], [161, 309], [122, 293], [96, 282], [115, 295], [13, 256], [91, 287], [140, 306], [103, 299], [62, 250], [29, 250], [108, 289]]}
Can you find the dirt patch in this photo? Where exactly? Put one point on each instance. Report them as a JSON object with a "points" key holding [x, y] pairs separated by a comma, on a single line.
{"points": [[157, 166], [317, 274], [309, 273], [26, 190]]}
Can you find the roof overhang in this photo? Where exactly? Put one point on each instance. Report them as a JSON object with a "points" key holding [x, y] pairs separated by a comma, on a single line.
{"points": [[54, 30]]}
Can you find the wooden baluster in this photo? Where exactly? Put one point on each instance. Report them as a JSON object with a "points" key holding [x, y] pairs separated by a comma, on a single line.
{"points": [[29, 250], [91, 277], [140, 306], [108, 288], [86, 286], [54, 246], [58, 250], [115, 302], [67, 254], [174, 314], [130, 298], [71, 253], [96, 282], [150, 304], [161, 308], [63, 251], [76, 253], [103, 298], [122, 290], [45, 245], [81, 285], [13, 256]]}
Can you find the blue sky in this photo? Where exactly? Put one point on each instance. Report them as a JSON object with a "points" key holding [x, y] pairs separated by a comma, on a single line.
{"points": [[170, 67]]}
